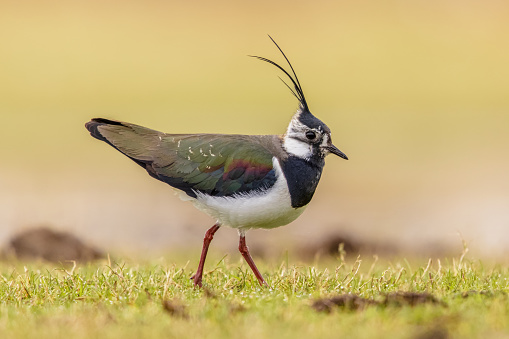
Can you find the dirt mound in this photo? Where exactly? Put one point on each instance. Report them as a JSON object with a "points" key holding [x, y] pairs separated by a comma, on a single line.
{"points": [[175, 308], [354, 302], [344, 244], [44, 243], [333, 244], [344, 301], [409, 298]]}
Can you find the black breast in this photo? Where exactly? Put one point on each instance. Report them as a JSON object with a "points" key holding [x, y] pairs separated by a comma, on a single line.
{"points": [[302, 177]]}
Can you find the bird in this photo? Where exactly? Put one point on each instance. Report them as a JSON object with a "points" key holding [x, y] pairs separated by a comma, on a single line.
{"points": [[242, 181]]}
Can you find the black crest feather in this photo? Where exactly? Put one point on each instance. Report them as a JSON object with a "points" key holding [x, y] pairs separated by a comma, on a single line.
{"points": [[298, 93]]}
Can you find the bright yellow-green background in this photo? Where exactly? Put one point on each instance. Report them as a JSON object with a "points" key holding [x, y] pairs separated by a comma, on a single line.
{"points": [[415, 92]]}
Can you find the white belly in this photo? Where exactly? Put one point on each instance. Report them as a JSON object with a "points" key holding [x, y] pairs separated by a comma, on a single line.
{"points": [[269, 209]]}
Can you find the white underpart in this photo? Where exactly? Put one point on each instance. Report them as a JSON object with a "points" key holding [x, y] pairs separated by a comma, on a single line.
{"points": [[262, 209]]}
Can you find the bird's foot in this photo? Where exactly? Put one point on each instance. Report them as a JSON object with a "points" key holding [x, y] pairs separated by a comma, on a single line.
{"points": [[197, 280], [263, 283]]}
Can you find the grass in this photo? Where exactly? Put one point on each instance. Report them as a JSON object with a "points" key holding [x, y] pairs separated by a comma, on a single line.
{"points": [[149, 300]]}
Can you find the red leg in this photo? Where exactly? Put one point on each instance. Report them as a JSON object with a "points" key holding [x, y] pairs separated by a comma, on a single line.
{"points": [[209, 235], [245, 253]]}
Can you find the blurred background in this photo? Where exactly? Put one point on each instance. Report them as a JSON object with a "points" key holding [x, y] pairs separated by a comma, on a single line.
{"points": [[415, 92]]}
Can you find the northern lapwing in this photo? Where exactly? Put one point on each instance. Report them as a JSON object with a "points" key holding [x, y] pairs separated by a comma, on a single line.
{"points": [[242, 181]]}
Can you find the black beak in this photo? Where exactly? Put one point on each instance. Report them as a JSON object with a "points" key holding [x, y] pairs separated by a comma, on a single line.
{"points": [[334, 150]]}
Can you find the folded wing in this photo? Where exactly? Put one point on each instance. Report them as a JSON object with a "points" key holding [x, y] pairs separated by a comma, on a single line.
{"points": [[217, 165]]}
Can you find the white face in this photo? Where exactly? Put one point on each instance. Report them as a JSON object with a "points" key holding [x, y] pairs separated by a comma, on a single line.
{"points": [[300, 139], [297, 148]]}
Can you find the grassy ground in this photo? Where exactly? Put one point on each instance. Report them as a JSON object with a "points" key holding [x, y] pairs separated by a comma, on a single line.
{"points": [[157, 299]]}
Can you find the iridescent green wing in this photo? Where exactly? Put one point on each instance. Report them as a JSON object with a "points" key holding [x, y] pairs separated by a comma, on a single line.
{"points": [[217, 165]]}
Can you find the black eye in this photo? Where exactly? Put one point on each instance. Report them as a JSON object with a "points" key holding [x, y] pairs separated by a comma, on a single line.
{"points": [[310, 135]]}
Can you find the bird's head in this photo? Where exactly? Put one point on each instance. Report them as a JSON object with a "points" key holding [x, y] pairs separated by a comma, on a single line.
{"points": [[307, 136]]}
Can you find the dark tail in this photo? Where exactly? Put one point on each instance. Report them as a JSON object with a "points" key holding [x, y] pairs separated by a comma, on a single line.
{"points": [[93, 125], [132, 146]]}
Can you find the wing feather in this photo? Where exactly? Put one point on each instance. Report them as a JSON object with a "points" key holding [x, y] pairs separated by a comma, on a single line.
{"points": [[218, 165]]}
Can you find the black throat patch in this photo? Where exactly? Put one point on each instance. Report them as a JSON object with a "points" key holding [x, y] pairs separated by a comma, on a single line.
{"points": [[302, 177]]}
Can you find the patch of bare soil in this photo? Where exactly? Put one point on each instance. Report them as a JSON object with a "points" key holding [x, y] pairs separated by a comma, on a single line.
{"points": [[472, 293], [409, 299], [354, 302], [53, 246], [175, 308], [434, 333], [344, 244], [334, 244], [344, 301]]}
